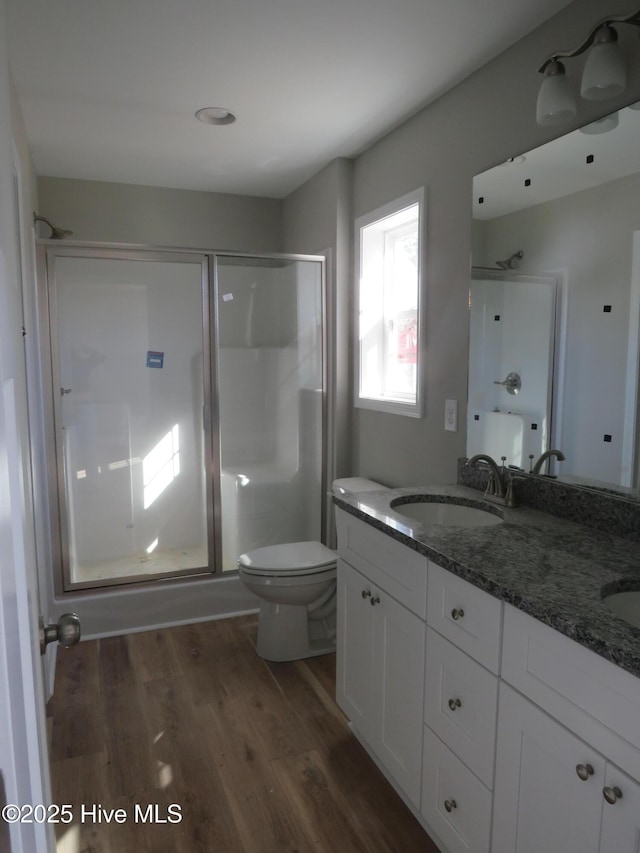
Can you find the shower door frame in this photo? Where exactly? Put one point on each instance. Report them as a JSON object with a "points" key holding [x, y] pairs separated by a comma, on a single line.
{"points": [[46, 253]]}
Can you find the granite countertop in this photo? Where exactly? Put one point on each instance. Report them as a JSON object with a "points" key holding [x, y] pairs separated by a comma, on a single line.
{"points": [[554, 570]]}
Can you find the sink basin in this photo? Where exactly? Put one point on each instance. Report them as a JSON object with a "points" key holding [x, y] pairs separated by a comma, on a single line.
{"points": [[626, 605], [446, 514]]}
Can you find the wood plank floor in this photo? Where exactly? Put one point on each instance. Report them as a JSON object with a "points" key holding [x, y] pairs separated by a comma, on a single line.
{"points": [[257, 755]]}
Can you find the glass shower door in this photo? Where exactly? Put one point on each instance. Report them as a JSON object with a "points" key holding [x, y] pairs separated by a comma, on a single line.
{"points": [[129, 379], [270, 380]]}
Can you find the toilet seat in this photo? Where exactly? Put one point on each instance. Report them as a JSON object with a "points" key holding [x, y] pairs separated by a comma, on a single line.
{"points": [[294, 559]]}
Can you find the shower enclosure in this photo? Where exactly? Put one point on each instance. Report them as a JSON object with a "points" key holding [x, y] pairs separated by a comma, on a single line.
{"points": [[187, 409], [512, 347]]}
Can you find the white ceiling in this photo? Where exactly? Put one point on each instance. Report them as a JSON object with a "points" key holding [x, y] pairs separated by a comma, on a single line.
{"points": [[109, 89]]}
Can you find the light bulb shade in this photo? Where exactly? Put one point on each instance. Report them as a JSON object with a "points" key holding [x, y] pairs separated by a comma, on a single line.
{"points": [[604, 75], [601, 125], [556, 102]]}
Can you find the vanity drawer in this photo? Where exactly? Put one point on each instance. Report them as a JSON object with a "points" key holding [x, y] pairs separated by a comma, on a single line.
{"points": [[593, 697], [470, 618], [454, 803], [461, 705], [393, 567]]}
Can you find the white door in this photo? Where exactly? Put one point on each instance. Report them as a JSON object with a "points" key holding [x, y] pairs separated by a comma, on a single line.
{"points": [[620, 813], [355, 644], [548, 785], [398, 671], [23, 755]]}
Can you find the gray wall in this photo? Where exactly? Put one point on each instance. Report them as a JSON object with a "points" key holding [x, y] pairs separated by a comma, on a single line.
{"points": [[318, 218], [157, 216], [483, 121]]}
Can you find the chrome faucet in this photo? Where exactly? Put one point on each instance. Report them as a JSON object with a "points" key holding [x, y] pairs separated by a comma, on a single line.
{"points": [[547, 455], [495, 486]]}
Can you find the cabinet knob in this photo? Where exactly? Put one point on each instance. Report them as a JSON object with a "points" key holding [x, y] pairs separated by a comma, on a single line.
{"points": [[455, 703], [366, 593], [457, 613], [612, 795], [584, 771], [375, 600], [450, 805]]}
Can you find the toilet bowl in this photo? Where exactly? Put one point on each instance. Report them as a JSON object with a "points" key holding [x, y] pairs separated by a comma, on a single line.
{"points": [[296, 585]]}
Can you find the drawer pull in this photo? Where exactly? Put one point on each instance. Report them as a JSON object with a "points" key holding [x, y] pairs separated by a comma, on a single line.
{"points": [[455, 703], [375, 600], [366, 593], [612, 795], [584, 771], [450, 805], [457, 613]]}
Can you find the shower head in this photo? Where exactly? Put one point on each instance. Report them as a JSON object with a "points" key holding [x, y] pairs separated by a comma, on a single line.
{"points": [[507, 264], [56, 233]]}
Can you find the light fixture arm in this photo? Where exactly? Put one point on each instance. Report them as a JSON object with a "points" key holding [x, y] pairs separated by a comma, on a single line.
{"points": [[633, 19]]}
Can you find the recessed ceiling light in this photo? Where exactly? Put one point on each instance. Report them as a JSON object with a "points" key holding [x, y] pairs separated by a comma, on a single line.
{"points": [[215, 115]]}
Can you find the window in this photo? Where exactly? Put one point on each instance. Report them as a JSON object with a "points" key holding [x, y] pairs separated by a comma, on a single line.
{"points": [[388, 334]]}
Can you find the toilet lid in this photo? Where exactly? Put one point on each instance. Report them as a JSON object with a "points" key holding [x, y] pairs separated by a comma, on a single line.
{"points": [[292, 558]]}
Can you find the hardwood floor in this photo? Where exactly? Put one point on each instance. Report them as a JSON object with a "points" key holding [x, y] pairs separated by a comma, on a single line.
{"points": [[257, 755]]}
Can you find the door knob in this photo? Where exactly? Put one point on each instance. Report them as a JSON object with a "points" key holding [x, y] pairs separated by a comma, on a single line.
{"points": [[65, 631], [612, 795], [584, 771]]}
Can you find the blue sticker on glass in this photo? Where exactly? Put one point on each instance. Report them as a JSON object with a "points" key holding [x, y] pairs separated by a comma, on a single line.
{"points": [[155, 359]]}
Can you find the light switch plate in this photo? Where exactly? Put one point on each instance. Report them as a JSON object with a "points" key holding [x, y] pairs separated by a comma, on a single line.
{"points": [[451, 415]]}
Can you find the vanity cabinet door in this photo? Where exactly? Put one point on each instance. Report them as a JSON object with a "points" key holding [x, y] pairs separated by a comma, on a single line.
{"points": [[620, 813], [380, 675], [355, 647], [541, 802], [399, 683]]}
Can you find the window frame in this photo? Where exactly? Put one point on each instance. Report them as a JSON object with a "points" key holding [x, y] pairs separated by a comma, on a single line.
{"points": [[391, 405]]}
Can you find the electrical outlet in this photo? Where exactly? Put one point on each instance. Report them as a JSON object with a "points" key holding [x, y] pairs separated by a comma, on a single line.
{"points": [[451, 415]]}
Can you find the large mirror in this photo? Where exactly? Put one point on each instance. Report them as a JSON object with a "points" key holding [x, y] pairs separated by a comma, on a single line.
{"points": [[555, 305]]}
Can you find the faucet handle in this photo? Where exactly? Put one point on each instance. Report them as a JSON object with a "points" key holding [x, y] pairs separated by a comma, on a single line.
{"points": [[510, 497]]}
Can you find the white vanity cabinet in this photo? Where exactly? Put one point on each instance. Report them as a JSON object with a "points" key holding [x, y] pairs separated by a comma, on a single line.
{"points": [[461, 697], [559, 778], [381, 649], [620, 814], [548, 784], [504, 735]]}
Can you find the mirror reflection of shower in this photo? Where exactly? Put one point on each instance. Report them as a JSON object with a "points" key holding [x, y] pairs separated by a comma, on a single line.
{"points": [[512, 334], [56, 232]]}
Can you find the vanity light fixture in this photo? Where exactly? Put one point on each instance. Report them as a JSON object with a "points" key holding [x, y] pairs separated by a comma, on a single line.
{"points": [[601, 125], [604, 74]]}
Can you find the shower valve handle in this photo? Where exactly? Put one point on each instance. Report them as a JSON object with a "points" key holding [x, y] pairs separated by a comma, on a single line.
{"points": [[512, 383]]}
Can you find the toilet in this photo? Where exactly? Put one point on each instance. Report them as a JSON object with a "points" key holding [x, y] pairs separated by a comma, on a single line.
{"points": [[296, 585]]}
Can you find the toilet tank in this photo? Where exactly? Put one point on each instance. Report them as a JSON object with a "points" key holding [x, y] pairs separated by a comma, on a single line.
{"points": [[353, 485]]}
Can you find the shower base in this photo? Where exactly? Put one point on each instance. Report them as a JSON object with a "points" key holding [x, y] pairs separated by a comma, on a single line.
{"points": [[160, 562]]}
